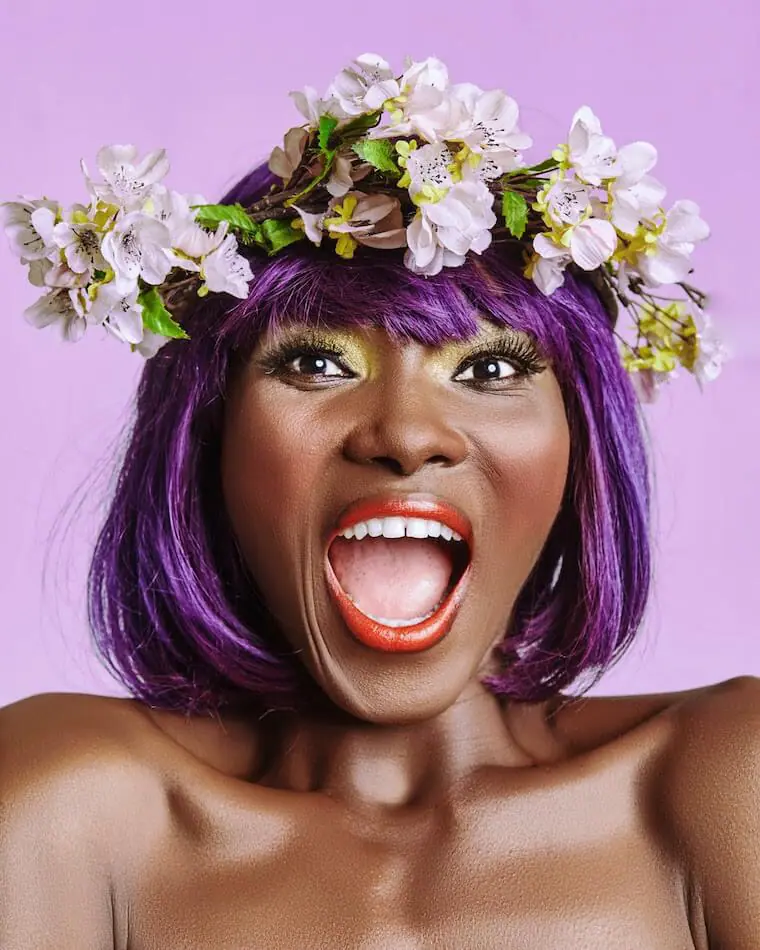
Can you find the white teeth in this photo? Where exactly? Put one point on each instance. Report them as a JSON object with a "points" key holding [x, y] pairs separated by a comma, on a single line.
{"points": [[396, 527], [375, 527], [416, 528]]}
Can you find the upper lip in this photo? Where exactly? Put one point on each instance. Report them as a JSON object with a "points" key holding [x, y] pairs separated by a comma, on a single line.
{"points": [[417, 505]]}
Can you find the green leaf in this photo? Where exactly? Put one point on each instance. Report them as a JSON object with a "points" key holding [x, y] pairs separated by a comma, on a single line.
{"points": [[532, 182], [380, 154], [549, 165], [515, 210], [361, 124], [279, 232], [209, 216], [327, 125], [157, 318]]}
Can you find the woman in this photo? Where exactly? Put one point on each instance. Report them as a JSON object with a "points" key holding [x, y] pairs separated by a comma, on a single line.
{"points": [[370, 524]]}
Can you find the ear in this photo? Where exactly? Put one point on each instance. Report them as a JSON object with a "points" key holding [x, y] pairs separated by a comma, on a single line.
{"points": [[713, 800]]}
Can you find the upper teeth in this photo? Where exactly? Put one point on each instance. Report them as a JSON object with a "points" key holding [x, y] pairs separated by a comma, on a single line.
{"points": [[400, 528]]}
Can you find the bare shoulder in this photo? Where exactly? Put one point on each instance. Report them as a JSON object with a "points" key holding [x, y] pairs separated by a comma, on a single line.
{"points": [[75, 757], [71, 785], [709, 799], [52, 737], [591, 722]]}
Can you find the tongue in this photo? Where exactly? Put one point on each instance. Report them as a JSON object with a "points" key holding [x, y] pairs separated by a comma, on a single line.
{"points": [[398, 579]]}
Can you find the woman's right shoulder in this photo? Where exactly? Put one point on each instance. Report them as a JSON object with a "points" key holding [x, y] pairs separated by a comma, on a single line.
{"points": [[80, 804], [78, 753]]}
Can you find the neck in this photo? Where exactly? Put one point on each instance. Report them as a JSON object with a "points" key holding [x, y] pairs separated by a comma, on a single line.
{"points": [[373, 767]]}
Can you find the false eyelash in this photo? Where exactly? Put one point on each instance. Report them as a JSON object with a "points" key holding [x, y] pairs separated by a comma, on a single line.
{"points": [[519, 351], [278, 358]]}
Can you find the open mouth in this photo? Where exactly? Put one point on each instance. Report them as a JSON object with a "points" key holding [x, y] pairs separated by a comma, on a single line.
{"points": [[398, 570]]}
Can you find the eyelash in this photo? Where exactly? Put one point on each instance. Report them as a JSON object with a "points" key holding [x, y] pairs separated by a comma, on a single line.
{"points": [[520, 353]]}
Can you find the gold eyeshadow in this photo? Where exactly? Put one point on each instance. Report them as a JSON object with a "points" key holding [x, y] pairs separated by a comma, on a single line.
{"points": [[355, 350]]}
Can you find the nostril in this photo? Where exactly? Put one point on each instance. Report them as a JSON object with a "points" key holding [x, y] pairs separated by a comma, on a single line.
{"points": [[393, 464], [398, 467]]}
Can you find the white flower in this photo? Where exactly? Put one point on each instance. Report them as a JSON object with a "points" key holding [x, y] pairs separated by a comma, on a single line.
{"points": [[432, 166], [490, 125], [80, 241], [592, 155], [430, 73], [459, 222], [635, 194], [549, 269], [151, 343], [667, 260], [28, 224], [38, 271], [712, 352], [224, 270], [61, 275], [592, 242], [284, 161], [567, 201], [137, 247], [189, 241], [425, 254], [313, 224], [429, 165], [364, 85], [119, 311], [64, 307], [424, 106], [126, 184], [313, 108], [429, 113]]}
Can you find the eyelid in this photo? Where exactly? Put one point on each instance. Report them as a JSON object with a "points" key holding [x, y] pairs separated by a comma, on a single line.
{"points": [[518, 350], [279, 356]]}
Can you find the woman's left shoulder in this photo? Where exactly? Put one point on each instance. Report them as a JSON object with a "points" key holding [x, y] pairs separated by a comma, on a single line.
{"points": [[710, 792]]}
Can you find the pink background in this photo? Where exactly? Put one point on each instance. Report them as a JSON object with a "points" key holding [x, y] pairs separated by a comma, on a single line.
{"points": [[209, 82]]}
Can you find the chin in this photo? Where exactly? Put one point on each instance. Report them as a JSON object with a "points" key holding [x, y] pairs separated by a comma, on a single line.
{"points": [[409, 694]]}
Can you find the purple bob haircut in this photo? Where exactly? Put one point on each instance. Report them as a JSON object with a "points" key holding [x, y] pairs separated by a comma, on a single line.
{"points": [[176, 616]]}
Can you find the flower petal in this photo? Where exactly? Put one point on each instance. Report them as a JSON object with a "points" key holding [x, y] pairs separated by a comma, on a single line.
{"points": [[593, 242]]}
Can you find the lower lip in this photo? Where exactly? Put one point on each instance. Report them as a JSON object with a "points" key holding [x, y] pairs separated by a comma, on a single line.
{"points": [[411, 639]]}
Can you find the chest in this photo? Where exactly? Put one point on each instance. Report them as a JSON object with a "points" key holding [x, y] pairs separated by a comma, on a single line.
{"points": [[565, 870]]}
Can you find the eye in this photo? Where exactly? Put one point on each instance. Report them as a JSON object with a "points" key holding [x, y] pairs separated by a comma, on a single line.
{"points": [[483, 369], [313, 364]]}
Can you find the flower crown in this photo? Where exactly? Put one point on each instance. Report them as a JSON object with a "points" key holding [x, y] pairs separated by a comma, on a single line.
{"points": [[383, 162]]}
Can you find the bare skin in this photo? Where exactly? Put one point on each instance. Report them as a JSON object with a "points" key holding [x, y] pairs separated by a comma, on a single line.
{"points": [[138, 829], [421, 811]]}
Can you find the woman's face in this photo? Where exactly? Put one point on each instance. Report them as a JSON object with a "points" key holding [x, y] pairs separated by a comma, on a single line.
{"points": [[320, 422]]}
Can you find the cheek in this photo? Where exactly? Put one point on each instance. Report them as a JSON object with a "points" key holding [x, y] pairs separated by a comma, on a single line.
{"points": [[529, 458], [269, 467]]}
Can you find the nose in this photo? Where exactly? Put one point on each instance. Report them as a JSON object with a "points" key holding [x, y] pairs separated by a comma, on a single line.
{"points": [[405, 427]]}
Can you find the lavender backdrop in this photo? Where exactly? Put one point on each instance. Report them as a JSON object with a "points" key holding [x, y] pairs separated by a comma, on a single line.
{"points": [[210, 84]]}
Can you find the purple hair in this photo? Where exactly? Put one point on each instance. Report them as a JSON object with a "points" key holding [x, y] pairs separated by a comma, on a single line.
{"points": [[174, 612]]}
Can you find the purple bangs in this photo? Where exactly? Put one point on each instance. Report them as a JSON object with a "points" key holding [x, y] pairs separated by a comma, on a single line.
{"points": [[174, 612]]}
